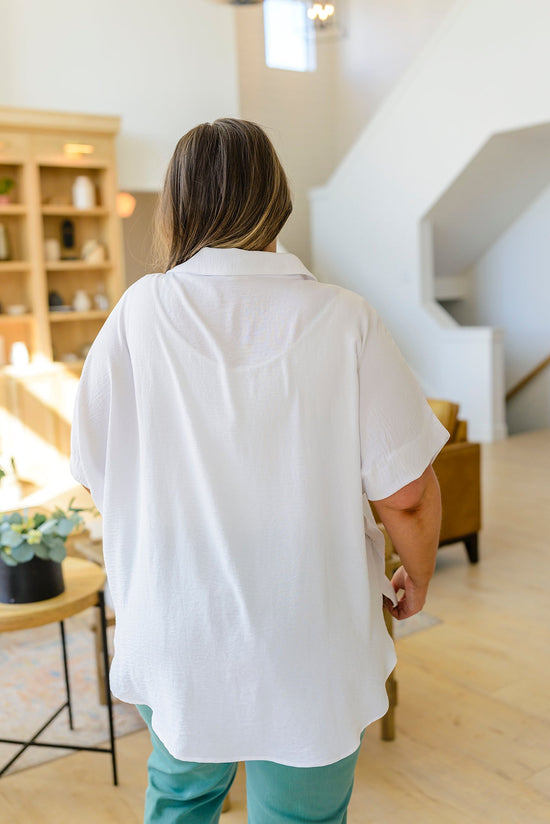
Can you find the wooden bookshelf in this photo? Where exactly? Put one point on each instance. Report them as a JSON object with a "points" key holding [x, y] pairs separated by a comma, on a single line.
{"points": [[43, 153]]}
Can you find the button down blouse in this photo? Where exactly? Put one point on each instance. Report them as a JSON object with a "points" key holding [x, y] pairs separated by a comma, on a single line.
{"points": [[232, 418]]}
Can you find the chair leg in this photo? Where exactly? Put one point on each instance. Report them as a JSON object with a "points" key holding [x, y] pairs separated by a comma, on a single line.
{"points": [[472, 547], [388, 721]]}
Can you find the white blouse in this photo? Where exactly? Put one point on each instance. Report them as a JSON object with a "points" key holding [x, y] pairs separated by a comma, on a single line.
{"points": [[231, 416]]}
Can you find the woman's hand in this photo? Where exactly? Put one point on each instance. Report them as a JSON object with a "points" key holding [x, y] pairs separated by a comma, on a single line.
{"points": [[411, 598]]}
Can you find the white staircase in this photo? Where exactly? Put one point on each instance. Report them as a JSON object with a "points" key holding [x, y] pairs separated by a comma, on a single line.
{"points": [[374, 228]]}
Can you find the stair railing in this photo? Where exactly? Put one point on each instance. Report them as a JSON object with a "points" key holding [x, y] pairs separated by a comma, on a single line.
{"points": [[528, 378]]}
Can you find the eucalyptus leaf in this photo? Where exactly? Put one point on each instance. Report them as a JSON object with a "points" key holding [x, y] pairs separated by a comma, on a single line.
{"points": [[58, 551], [7, 559], [15, 518], [22, 553], [39, 519], [41, 551], [47, 527], [55, 546], [13, 539], [65, 526]]}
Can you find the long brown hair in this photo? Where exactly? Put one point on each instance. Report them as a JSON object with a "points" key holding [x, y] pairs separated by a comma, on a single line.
{"points": [[224, 187]]}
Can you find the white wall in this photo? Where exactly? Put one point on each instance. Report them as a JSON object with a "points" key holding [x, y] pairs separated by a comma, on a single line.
{"points": [[382, 38], [162, 65], [510, 287], [485, 71], [313, 118]]}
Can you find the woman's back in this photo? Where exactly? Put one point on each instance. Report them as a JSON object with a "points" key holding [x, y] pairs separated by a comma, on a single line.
{"points": [[246, 556]]}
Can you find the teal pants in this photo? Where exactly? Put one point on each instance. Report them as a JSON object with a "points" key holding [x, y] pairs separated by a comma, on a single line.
{"points": [[184, 792]]}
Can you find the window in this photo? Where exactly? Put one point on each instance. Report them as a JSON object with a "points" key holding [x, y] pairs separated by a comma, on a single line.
{"points": [[289, 36]]}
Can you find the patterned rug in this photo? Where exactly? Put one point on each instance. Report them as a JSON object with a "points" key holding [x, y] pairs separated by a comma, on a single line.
{"points": [[416, 623], [32, 687]]}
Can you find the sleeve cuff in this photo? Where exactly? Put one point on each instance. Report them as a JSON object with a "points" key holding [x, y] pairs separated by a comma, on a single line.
{"points": [[408, 463]]}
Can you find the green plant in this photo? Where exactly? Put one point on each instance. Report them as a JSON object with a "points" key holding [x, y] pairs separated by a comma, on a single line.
{"points": [[41, 535], [3, 472], [6, 185]]}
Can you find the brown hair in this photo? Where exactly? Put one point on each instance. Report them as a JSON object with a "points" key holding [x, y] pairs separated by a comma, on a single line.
{"points": [[224, 187]]}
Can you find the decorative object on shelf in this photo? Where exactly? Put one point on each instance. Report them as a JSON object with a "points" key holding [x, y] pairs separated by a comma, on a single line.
{"points": [[93, 251], [83, 192], [19, 354], [69, 357], [5, 248], [125, 204], [67, 240], [81, 301], [31, 551], [52, 249], [101, 301], [16, 309], [6, 185], [54, 299], [84, 349]]}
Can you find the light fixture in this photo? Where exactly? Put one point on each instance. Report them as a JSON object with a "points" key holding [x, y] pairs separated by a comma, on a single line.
{"points": [[125, 204], [78, 149], [320, 13]]}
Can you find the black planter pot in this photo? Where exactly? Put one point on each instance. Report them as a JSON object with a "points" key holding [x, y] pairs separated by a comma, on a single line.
{"points": [[35, 580]]}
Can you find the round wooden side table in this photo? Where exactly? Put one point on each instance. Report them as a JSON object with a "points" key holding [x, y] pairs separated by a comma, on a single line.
{"points": [[84, 582]]}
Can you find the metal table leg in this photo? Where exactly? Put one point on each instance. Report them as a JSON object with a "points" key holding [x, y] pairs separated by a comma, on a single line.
{"points": [[66, 668], [103, 617]]}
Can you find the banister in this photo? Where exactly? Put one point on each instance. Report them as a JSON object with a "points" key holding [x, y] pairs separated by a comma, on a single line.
{"points": [[528, 378]]}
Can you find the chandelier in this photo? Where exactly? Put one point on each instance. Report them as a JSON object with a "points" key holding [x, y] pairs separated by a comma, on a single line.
{"points": [[320, 13]]}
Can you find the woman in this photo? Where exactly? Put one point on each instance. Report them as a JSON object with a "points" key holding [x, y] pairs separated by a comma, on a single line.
{"points": [[234, 415]]}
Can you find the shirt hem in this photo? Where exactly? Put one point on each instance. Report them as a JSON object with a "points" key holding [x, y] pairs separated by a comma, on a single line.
{"points": [[274, 758]]}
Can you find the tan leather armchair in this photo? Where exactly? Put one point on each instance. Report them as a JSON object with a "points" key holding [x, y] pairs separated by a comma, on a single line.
{"points": [[458, 470]]}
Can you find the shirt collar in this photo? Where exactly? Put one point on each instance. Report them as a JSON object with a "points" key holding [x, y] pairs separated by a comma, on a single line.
{"points": [[237, 262]]}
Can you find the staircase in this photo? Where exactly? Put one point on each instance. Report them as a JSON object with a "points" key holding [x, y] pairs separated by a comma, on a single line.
{"points": [[373, 225]]}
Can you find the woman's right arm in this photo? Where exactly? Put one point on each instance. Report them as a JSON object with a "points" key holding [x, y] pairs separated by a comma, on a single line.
{"points": [[412, 517]]}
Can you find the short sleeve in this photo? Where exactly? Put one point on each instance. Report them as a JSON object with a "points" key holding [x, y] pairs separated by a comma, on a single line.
{"points": [[400, 435], [106, 385]]}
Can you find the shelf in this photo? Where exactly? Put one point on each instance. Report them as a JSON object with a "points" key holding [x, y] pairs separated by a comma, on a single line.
{"points": [[68, 163], [76, 265], [72, 211], [16, 318], [7, 209], [73, 364], [14, 266], [63, 317]]}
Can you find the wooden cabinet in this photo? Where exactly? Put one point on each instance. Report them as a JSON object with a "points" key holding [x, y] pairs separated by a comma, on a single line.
{"points": [[50, 243]]}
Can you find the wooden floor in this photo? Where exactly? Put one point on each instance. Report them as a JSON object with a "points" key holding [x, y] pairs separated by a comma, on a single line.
{"points": [[473, 724]]}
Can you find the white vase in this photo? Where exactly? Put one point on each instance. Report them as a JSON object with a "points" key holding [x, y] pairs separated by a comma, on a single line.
{"points": [[81, 302], [83, 193]]}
